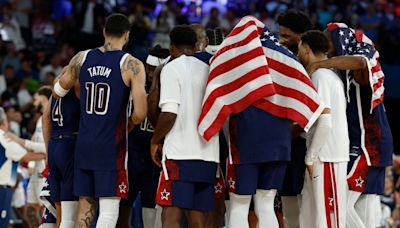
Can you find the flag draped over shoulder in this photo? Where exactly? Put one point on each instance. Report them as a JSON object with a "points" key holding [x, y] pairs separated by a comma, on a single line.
{"points": [[252, 68], [351, 42]]}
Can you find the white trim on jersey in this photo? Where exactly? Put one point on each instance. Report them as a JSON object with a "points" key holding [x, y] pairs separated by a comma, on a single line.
{"points": [[123, 60], [361, 120], [84, 57]]}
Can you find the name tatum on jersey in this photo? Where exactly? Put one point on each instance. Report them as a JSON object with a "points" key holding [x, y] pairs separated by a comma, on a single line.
{"points": [[99, 71]]}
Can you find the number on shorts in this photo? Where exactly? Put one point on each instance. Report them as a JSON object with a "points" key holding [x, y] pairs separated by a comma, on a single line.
{"points": [[97, 96]]}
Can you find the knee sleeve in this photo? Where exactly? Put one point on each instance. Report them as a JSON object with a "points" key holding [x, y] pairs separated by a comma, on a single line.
{"points": [[108, 212], [264, 208], [69, 213], [239, 210]]}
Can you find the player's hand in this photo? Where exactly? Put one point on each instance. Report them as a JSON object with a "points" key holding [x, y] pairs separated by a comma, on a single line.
{"points": [[155, 153], [310, 169], [312, 67]]}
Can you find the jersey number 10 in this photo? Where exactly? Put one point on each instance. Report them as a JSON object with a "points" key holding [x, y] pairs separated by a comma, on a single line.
{"points": [[97, 96]]}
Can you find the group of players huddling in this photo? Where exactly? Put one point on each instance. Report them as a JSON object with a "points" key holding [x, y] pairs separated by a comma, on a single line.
{"points": [[114, 127]]}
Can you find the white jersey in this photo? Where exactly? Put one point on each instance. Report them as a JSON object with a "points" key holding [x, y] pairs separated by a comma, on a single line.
{"points": [[183, 82], [10, 154], [331, 89]]}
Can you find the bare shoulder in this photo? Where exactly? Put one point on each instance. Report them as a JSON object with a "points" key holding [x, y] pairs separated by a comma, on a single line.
{"points": [[76, 61], [133, 65]]}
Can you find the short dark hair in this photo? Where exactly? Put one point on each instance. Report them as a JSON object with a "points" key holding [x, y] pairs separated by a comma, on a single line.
{"points": [[295, 20], [45, 91], [215, 36], [316, 40], [183, 35], [116, 25], [159, 52]]}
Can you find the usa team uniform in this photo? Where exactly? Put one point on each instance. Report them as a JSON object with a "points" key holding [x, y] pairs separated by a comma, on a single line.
{"points": [[64, 128], [369, 131], [143, 174], [328, 187], [189, 162], [10, 154], [101, 144], [49, 213]]}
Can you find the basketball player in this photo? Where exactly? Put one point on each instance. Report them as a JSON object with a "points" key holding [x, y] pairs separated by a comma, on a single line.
{"points": [[60, 128], [327, 143], [41, 100], [292, 24], [11, 153], [143, 174], [369, 132], [189, 163], [107, 76]]}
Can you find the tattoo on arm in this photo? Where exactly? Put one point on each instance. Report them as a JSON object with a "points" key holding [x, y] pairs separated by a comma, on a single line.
{"points": [[75, 62], [132, 64]]}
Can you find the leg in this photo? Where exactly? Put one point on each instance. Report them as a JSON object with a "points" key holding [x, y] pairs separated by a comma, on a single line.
{"points": [[149, 217], [69, 212], [87, 212], [353, 219], [108, 212], [171, 217], [253, 220], [291, 211], [58, 216], [157, 223], [216, 217], [21, 214], [264, 208], [124, 217], [196, 219], [239, 210], [33, 214]]}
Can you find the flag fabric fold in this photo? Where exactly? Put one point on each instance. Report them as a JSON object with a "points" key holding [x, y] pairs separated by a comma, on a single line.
{"points": [[252, 68]]}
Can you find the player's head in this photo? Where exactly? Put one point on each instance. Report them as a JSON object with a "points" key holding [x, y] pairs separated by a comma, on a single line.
{"points": [[332, 47], [201, 35], [292, 23], [156, 57], [312, 46], [117, 26], [183, 41], [41, 98], [3, 120], [215, 38]]}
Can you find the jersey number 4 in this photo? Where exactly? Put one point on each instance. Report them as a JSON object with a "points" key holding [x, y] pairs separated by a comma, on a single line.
{"points": [[56, 114], [97, 96]]}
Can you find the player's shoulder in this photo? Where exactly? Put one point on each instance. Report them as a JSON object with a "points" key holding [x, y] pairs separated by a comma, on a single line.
{"points": [[324, 74]]}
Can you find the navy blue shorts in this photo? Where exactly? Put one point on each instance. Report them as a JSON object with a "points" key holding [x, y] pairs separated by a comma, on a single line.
{"points": [[375, 183], [245, 179], [5, 205], [146, 183], [96, 183], [61, 168], [294, 176], [198, 196]]}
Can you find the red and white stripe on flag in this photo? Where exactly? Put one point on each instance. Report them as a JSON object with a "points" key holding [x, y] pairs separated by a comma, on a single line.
{"points": [[239, 76]]}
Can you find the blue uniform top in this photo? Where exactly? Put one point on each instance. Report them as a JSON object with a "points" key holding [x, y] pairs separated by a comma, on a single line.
{"points": [[104, 97], [65, 114], [378, 137]]}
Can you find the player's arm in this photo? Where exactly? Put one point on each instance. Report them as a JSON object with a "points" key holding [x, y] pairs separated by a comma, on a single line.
{"points": [[31, 156], [355, 63], [153, 98], [17, 153], [46, 125], [27, 144], [69, 76], [134, 75]]}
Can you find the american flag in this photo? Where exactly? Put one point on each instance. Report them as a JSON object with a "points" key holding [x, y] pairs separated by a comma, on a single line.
{"points": [[252, 68], [351, 42]]}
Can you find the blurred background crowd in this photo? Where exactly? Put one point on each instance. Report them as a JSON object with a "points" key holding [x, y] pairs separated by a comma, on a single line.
{"points": [[39, 37]]}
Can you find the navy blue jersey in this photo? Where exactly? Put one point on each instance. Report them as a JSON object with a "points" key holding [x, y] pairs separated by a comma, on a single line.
{"points": [[65, 114], [101, 143], [378, 140], [257, 136], [139, 145]]}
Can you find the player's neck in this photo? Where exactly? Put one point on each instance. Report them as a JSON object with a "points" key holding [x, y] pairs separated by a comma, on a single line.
{"points": [[317, 58], [113, 45]]}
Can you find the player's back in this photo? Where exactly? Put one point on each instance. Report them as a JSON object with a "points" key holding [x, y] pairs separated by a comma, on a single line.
{"points": [[103, 101], [65, 114]]}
